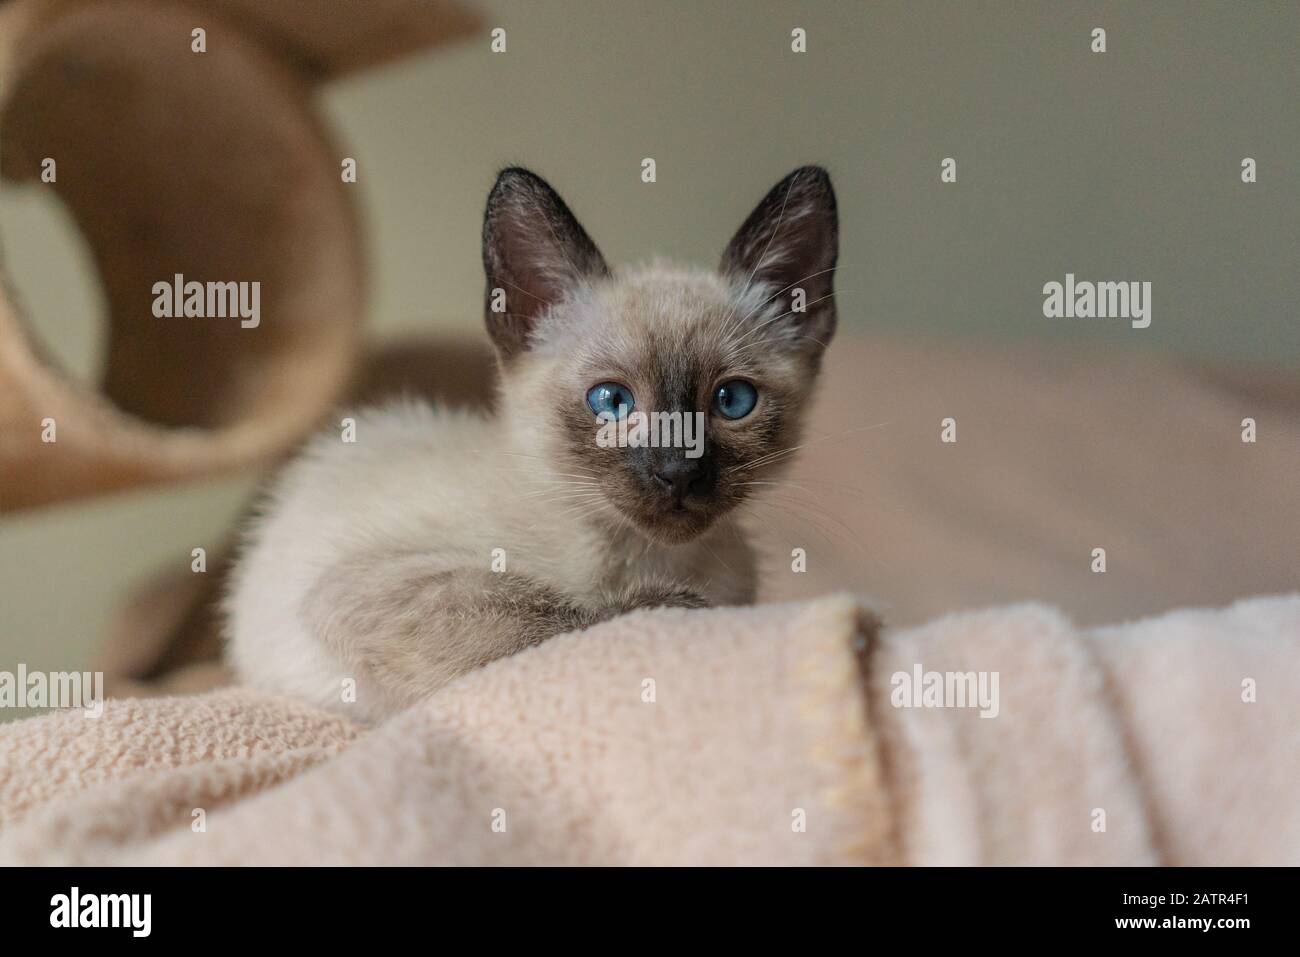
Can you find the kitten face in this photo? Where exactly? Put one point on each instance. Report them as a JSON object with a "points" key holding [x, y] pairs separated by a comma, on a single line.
{"points": [[719, 366]]}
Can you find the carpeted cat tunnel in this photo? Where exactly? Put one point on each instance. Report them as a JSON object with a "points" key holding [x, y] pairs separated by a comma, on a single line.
{"points": [[212, 165]]}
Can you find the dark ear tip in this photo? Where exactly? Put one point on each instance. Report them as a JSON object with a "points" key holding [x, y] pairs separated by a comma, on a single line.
{"points": [[813, 173], [514, 178], [811, 181], [516, 173]]}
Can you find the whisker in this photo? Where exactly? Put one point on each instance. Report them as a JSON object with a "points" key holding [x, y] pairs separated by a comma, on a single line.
{"points": [[856, 489], [780, 217], [791, 509], [545, 302], [546, 496], [745, 340], [774, 456], [717, 557], [581, 506], [741, 321]]}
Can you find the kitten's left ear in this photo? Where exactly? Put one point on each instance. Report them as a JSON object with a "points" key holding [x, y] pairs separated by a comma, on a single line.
{"points": [[535, 254], [789, 245]]}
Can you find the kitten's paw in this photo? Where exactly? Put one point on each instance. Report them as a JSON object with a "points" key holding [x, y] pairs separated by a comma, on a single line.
{"points": [[665, 597]]}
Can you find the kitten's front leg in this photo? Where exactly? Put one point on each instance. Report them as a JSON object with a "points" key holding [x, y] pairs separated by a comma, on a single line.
{"points": [[407, 628], [657, 596]]}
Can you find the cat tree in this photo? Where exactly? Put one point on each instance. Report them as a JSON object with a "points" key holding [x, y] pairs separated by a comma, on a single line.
{"points": [[213, 165]]}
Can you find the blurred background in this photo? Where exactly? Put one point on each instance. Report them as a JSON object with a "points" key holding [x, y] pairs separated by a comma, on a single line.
{"points": [[1116, 166]]}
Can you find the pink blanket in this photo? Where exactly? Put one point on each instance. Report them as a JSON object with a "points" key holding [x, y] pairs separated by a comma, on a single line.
{"points": [[786, 734]]}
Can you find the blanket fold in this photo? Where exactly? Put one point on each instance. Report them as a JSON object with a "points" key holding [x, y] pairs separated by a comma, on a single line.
{"points": [[780, 734]]}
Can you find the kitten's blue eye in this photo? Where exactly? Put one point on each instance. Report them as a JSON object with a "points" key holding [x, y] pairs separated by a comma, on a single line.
{"points": [[610, 398], [735, 399]]}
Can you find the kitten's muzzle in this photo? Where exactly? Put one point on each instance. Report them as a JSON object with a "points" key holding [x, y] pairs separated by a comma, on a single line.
{"points": [[679, 478]]}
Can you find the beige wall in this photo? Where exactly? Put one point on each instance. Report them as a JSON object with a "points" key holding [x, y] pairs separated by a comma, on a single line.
{"points": [[1119, 166]]}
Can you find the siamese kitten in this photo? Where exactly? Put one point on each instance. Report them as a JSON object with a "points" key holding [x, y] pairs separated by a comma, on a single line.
{"points": [[439, 541]]}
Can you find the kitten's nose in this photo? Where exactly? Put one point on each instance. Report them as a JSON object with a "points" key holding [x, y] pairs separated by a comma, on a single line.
{"points": [[680, 477]]}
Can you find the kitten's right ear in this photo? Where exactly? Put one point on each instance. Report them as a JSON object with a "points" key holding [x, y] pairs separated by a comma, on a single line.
{"points": [[535, 253]]}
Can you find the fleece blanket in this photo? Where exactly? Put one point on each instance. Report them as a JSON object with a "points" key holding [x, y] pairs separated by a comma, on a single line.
{"points": [[787, 734]]}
